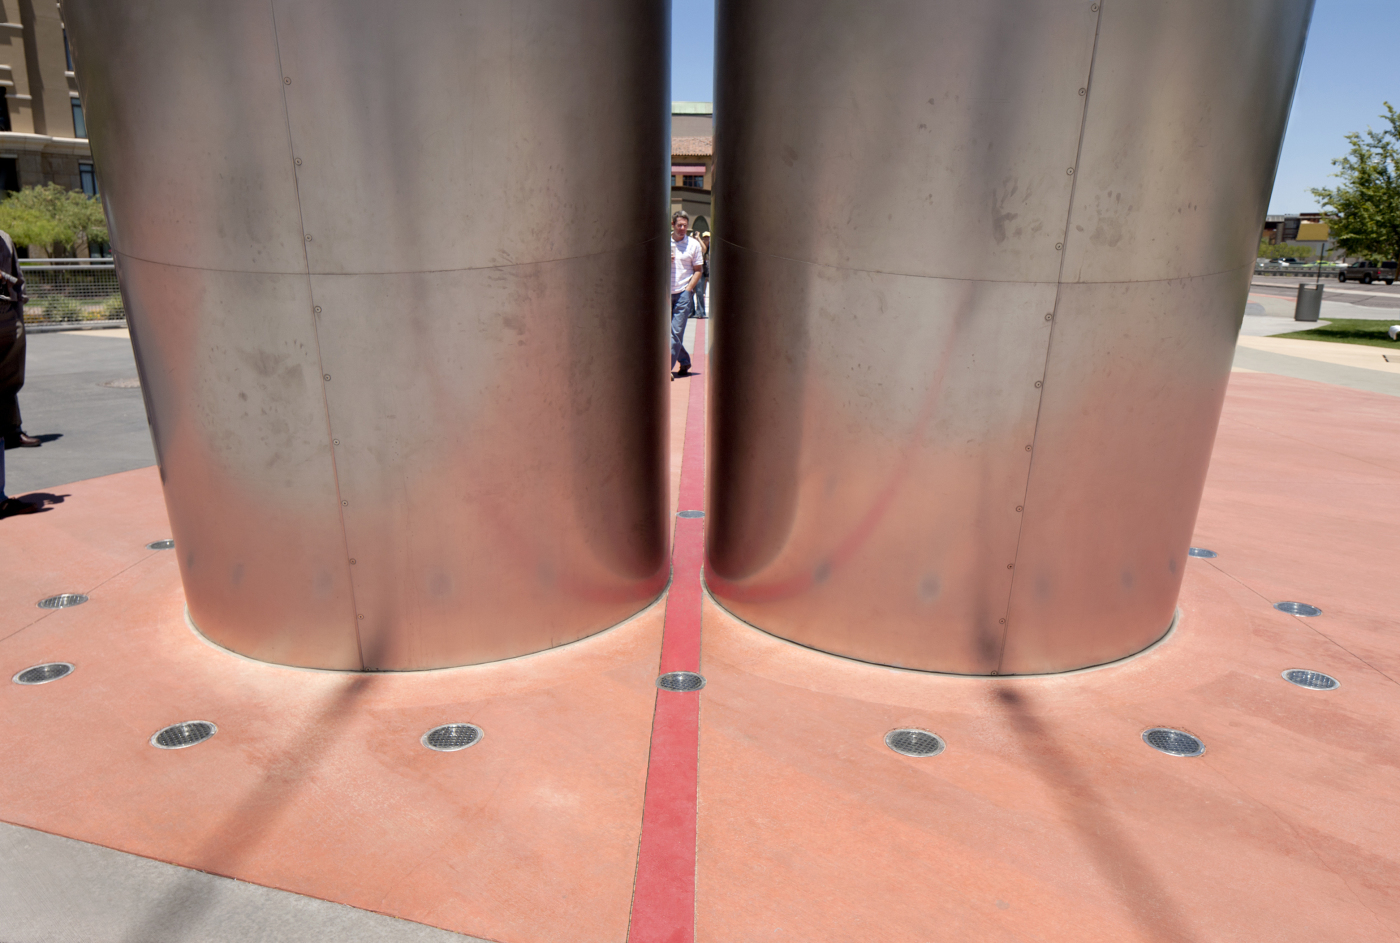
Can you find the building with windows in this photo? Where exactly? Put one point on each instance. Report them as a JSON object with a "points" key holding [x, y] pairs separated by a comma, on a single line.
{"points": [[692, 161], [43, 138]]}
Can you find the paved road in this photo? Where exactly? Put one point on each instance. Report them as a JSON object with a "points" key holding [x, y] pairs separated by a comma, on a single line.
{"points": [[89, 429], [1375, 295]]}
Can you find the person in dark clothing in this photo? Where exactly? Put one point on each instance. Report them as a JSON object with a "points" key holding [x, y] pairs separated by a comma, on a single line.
{"points": [[701, 310], [12, 346]]}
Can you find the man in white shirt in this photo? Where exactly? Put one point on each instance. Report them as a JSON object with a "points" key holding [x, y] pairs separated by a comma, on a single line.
{"points": [[687, 261]]}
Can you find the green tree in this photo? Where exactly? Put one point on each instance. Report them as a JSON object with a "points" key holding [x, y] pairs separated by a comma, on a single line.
{"points": [[55, 218], [1284, 250], [1364, 211]]}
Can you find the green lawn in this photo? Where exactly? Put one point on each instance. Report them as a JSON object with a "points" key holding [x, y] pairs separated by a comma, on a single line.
{"points": [[1346, 331]]}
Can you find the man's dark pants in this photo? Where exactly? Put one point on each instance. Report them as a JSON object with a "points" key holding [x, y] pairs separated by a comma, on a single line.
{"points": [[11, 372], [680, 313]]}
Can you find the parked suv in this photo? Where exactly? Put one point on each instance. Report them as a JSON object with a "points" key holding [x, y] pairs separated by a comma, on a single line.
{"points": [[1367, 272]]}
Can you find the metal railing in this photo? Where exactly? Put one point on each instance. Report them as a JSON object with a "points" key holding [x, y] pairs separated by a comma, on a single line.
{"points": [[63, 291], [1327, 270]]}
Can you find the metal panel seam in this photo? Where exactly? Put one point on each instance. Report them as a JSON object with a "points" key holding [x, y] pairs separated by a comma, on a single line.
{"points": [[433, 271], [316, 333], [1050, 341], [956, 278]]}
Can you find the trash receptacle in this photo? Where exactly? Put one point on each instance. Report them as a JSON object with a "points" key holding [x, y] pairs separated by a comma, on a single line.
{"points": [[1309, 302]]}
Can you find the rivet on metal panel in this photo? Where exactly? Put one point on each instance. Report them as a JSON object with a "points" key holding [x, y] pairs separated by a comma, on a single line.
{"points": [[1010, 566], [1093, 8], [1049, 316], [360, 616], [1070, 171], [298, 160], [317, 309], [326, 377], [352, 561], [1028, 448], [286, 80], [335, 441], [1001, 621], [1019, 509], [345, 504], [1038, 384], [308, 238], [1082, 91], [1058, 247]]}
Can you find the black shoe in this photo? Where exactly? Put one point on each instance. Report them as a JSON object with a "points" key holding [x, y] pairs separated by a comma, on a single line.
{"points": [[18, 440], [684, 371], [11, 507]]}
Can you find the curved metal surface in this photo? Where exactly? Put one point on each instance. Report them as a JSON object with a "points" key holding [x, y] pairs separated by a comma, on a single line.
{"points": [[395, 282], [977, 282]]}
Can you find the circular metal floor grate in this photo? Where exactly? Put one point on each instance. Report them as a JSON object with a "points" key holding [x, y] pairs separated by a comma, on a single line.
{"points": [[911, 741], [1315, 680], [42, 674], [187, 734], [62, 601], [680, 681], [1297, 609], [1173, 742], [161, 545], [451, 737], [692, 514], [1202, 552]]}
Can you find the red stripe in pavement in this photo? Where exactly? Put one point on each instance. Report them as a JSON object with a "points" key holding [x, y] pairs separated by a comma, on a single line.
{"points": [[663, 899]]}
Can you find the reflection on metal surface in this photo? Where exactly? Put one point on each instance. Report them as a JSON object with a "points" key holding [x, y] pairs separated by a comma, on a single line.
{"points": [[1314, 680], [395, 280], [680, 681], [1298, 609], [43, 674], [449, 738], [62, 601], [186, 734], [911, 741], [1173, 742], [973, 327]]}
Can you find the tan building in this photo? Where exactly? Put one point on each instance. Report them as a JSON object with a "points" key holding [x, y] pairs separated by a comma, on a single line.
{"points": [[43, 138], [693, 161]]}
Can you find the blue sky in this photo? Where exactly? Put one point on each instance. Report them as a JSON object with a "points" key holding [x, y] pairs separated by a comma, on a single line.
{"points": [[1352, 65]]}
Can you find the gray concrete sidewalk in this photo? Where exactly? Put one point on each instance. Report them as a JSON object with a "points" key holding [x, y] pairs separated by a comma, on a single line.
{"points": [[89, 428], [56, 889]]}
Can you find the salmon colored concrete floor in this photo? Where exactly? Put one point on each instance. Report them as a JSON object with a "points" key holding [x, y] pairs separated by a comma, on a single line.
{"points": [[1047, 817]]}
